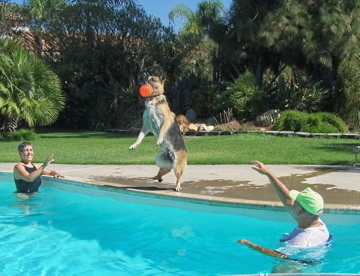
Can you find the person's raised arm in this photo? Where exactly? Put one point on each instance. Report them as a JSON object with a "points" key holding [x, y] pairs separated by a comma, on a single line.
{"points": [[280, 189], [21, 173]]}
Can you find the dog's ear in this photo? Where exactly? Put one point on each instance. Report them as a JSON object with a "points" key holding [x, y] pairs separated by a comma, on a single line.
{"points": [[162, 79]]}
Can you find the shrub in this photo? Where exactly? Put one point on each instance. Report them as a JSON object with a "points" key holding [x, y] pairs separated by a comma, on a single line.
{"points": [[208, 100], [290, 120], [245, 97], [332, 121], [19, 135], [322, 122], [293, 89]]}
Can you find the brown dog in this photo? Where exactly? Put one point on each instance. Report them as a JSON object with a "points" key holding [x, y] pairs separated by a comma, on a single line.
{"points": [[183, 123], [159, 120]]}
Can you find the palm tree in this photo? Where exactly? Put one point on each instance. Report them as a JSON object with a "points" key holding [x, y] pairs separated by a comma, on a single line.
{"points": [[196, 23], [29, 90], [199, 49]]}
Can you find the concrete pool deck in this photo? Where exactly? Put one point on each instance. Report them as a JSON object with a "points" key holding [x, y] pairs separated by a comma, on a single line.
{"points": [[339, 185]]}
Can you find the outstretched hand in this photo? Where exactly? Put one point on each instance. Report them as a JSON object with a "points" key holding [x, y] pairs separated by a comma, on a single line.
{"points": [[243, 241], [48, 160], [57, 175], [260, 167]]}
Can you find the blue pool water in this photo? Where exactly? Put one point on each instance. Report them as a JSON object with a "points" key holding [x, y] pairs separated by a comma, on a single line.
{"points": [[71, 230]]}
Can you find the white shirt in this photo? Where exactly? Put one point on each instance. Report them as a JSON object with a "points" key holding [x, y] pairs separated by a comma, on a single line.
{"points": [[307, 237]]}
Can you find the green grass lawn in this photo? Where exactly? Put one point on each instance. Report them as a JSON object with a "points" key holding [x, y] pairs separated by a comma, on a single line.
{"points": [[113, 148]]}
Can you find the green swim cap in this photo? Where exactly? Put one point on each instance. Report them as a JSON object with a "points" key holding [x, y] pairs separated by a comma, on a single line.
{"points": [[310, 200]]}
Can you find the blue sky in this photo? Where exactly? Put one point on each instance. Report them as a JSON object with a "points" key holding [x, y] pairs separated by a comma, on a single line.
{"points": [[161, 8]]}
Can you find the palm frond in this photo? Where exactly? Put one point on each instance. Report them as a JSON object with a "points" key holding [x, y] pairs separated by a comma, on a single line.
{"points": [[29, 90]]}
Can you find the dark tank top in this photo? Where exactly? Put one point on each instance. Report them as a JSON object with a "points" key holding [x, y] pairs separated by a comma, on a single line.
{"points": [[26, 187]]}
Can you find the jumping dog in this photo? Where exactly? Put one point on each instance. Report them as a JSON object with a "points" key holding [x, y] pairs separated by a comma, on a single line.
{"points": [[159, 120]]}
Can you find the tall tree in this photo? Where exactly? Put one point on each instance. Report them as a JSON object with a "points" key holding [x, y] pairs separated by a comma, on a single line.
{"points": [[313, 36], [104, 48], [197, 22], [4, 21], [350, 91], [39, 14], [194, 38], [11, 18]]}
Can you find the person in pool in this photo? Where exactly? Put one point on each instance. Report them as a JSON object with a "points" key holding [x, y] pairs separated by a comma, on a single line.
{"points": [[305, 207], [26, 174]]}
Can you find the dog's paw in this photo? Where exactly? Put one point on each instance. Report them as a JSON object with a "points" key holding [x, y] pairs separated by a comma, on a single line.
{"points": [[159, 141], [178, 189], [157, 178], [132, 147]]}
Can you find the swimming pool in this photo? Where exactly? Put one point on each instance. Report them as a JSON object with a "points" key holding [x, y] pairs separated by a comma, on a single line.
{"points": [[70, 230]]}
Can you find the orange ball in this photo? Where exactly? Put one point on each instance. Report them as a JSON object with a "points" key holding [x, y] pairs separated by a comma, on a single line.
{"points": [[146, 90]]}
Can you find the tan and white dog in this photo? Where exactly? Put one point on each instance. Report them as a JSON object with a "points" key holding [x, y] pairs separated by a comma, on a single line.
{"points": [[159, 120]]}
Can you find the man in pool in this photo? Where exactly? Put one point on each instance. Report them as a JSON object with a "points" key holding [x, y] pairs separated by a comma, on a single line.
{"points": [[26, 174], [305, 206]]}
